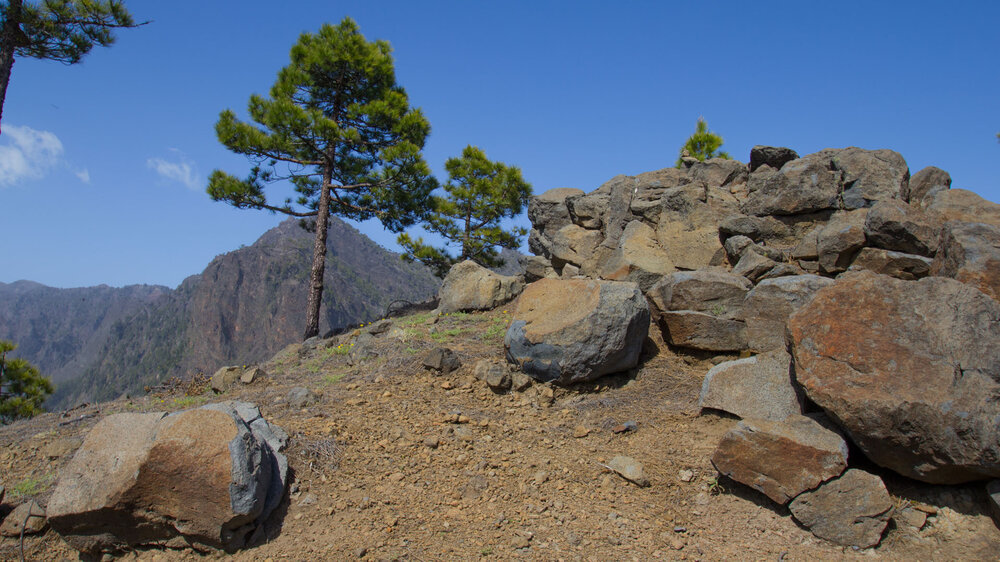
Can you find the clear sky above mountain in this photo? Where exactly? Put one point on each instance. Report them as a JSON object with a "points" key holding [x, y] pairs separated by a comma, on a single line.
{"points": [[103, 165]]}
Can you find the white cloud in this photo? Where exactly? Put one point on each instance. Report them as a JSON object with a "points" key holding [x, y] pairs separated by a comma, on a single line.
{"points": [[84, 175], [28, 154], [176, 171]]}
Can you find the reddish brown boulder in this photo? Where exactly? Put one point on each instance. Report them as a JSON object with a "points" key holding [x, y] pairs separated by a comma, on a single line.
{"points": [[970, 253], [783, 458], [910, 369]]}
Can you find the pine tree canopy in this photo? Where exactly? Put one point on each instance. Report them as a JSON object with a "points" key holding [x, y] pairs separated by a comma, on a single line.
{"points": [[478, 195], [22, 388], [334, 117], [703, 144], [342, 132], [59, 30]]}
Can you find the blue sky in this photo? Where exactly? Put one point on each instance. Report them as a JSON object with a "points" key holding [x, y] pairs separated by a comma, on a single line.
{"points": [[103, 165]]}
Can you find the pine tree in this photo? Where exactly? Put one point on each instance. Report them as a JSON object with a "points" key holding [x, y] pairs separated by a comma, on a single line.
{"points": [[703, 144], [479, 193], [59, 30], [339, 128], [22, 388]]}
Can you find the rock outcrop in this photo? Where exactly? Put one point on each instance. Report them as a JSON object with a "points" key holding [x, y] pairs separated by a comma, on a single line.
{"points": [[209, 476]]}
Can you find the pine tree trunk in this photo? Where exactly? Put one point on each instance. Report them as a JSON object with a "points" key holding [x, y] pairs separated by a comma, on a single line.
{"points": [[319, 261], [10, 36]]}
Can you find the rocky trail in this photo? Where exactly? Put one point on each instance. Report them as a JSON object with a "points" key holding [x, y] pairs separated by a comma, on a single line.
{"points": [[391, 460]]}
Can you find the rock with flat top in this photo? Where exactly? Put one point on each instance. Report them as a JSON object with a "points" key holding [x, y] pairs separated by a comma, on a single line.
{"points": [[574, 330], [783, 458], [470, 286]]}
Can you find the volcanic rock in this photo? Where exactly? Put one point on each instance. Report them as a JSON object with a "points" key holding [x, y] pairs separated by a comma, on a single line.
{"points": [[576, 330], [910, 369]]}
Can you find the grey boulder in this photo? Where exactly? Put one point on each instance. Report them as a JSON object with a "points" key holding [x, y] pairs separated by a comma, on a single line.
{"points": [[576, 330]]}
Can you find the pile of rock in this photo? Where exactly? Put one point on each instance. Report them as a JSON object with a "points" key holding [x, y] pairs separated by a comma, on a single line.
{"points": [[867, 295]]}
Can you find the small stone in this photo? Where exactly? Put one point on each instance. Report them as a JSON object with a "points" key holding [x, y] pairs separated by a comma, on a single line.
{"points": [[521, 382], [629, 469], [540, 477], [625, 427], [520, 541], [432, 442], [910, 517], [251, 374], [301, 397], [442, 359], [31, 511], [361, 552], [307, 500], [447, 385], [580, 432], [686, 475], [546, 396]]}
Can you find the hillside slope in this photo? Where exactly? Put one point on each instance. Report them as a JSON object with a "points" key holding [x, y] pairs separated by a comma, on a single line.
{"points": [[246, 305], [393, 461], [62, 331]]}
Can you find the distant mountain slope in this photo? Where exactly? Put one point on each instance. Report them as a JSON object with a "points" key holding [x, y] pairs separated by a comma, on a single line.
{"points": [[62, 331], [244, 307]]}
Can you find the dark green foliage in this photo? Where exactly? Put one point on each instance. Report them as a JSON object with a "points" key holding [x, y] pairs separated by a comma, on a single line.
{"points": [[703, 144], [22, 387], [338, 127], [59, 30], [335, 115], [479, 193], [65, 30]]}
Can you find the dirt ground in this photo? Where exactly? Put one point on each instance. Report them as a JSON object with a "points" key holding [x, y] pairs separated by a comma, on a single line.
{"points": [[396, 462]]}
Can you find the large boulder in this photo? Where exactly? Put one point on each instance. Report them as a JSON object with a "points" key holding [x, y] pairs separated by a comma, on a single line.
{"points": [[805, 185], [970, 253], [895, 264], [852, 510], [769, 304], [470, 286], [714, 291], [573, 244], [773, 156], [576, 330], [639, 258], [209, 476], [783, 458], [910, 369], [839, 241], [704, 331], [869, 176], [894, 225], [962, 205], [926, 182], [755, 387]]}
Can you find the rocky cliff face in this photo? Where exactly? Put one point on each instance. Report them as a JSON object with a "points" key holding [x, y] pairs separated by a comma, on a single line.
{"points": [[244, 307]]}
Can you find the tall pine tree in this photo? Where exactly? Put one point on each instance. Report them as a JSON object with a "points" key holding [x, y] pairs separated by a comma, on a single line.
{"points": [[479, 194], [338, 127], [59, 30]]}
